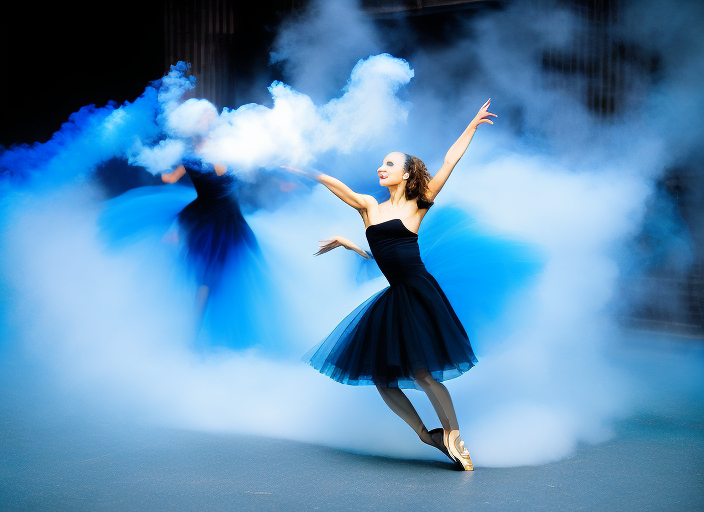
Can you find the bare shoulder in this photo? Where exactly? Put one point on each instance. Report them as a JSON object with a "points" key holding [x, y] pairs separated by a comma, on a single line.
{"points": [[368, 201]]}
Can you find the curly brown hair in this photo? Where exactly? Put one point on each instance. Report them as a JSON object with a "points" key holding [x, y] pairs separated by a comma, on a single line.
{"points": [[418, 179]]}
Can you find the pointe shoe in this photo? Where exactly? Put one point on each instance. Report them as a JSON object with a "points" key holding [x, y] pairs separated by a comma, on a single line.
{"points": [[437, 435], [457, 449]]}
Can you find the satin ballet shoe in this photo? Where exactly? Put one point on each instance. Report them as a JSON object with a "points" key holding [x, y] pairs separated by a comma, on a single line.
{"points": [[457, 449], [446, 444], [437, 436]]}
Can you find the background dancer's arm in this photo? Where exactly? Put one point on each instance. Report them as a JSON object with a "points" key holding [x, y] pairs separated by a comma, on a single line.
{"points": [[177, 174], [340, 241], [173, 177], [349, 196], [457, 150]]}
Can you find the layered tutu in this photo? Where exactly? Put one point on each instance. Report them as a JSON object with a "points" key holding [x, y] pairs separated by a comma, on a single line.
{"points": [[480, 270], [412, 325], [216, 235], [216, 249], [393, 334]]}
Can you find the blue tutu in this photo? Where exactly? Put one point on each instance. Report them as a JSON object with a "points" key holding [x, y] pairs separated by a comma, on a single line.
{"points": [[479, 270], [219, 252]]}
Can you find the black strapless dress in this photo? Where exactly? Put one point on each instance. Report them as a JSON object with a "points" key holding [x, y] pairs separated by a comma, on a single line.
{"points": [[215, 229], [406, 327]]}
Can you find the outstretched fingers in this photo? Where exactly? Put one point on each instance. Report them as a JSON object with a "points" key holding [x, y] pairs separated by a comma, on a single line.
{"points": [[292, 169], [483, 116], [326, 246]]}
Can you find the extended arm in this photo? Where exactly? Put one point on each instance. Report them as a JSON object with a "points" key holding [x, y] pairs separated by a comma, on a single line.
{"points": [[457, 150], [173, 177], [349, 196], [339, 241], [177, 174]]}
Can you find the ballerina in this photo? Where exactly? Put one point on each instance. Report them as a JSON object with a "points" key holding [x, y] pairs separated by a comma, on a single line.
{"points": [[220, 251], [213, 223], [407, 335]]}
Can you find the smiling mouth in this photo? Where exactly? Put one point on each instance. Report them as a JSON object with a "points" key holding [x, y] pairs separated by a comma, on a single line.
{"points": [[383, 175]]}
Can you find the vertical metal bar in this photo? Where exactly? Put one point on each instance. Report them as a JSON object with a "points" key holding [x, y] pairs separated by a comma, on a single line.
{"points": [[217, 17], [202, 41], [166, 35], [617, 69], [234, 64], [194, 39], [178, 34], [211, 56]]}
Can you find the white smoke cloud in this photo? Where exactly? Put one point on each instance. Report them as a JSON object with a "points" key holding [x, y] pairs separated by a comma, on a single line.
{"points": [[295, 131], [161, 157], [192, 118]]}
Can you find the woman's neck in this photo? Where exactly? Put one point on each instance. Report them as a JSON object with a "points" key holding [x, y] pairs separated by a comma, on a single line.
{"points": [[397, 196]]}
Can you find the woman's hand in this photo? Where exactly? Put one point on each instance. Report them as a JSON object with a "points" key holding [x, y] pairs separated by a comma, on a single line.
{"points": [[483, 115], [457, 150], [339, 241], [292, 169], [327, 246], [309, 174]]}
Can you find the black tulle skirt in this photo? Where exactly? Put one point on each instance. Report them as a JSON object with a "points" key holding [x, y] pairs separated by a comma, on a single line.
{"points": [[216, 235], [407, 327]]}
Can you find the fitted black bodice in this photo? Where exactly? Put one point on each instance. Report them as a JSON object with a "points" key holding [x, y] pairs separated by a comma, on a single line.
{"points": [[208, 184], [216, 231], [395, 249], [407, 327]]}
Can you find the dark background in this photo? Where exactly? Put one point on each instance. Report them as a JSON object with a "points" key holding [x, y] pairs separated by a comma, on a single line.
{"points": [[61, 57], [58, 58]]}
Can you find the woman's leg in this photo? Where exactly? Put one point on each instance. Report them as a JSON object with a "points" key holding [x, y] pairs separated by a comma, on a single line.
{"points": [[402, 406], [442, 403], [440, 398]]}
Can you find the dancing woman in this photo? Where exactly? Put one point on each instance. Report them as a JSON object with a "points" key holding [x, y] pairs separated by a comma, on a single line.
{"points": [[213, 224], [407, 335], [219, 251], [222, 254]]}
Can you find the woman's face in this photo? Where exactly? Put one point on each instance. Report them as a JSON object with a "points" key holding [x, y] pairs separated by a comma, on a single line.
{"points": [[206, 121], [391, 170], [203, 126]]}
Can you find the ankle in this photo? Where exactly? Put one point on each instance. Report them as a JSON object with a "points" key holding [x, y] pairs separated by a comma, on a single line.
{"points": [[425, 436]]}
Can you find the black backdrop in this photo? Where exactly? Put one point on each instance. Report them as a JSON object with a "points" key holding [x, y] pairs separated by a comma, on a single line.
{"points": [[60, 57]]}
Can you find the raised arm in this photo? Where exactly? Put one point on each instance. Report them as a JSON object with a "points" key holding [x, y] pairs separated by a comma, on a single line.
{"points": [[349, 196], [173, 177], [177, 174], [457, 150]]}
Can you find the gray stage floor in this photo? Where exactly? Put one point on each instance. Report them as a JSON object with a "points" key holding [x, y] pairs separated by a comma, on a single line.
{"points": [[49, 461], [653, 464]]}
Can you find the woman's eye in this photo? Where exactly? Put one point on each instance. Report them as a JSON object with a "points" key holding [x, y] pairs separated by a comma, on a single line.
{"points": [[390, 164]]}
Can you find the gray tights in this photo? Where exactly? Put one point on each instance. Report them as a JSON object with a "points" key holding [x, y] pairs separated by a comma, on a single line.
{"points": [[439, 397]]}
